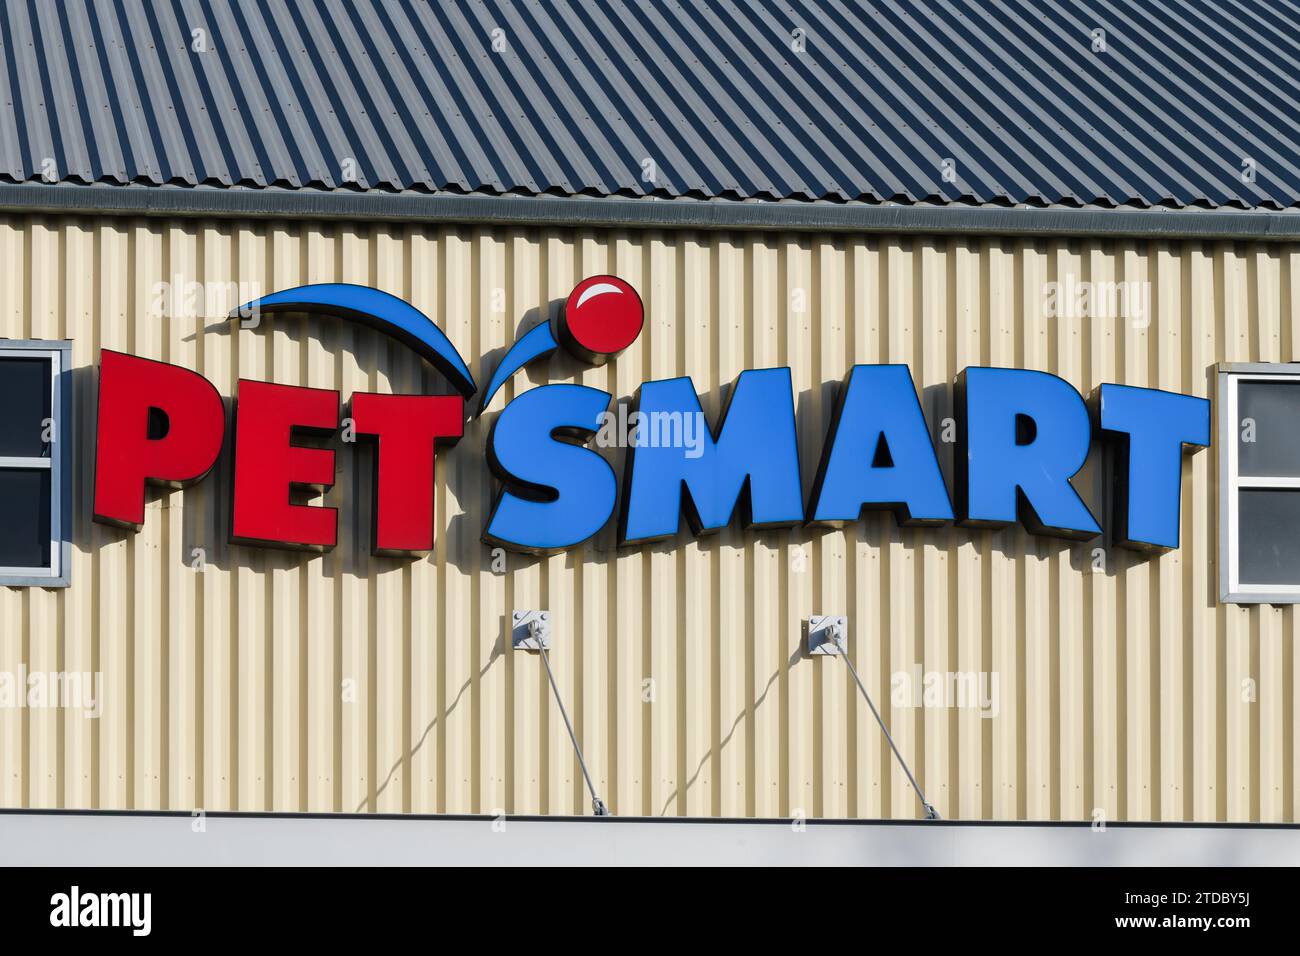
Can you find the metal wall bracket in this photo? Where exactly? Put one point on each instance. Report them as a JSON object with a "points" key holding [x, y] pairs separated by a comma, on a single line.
{"points": [[530, 630], [827, 634]]}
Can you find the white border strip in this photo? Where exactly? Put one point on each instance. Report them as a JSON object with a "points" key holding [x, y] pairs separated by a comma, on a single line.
{"points": [[140, 839]]}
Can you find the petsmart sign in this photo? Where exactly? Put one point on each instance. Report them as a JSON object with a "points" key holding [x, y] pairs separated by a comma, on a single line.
{"points": [[1022, 435]]}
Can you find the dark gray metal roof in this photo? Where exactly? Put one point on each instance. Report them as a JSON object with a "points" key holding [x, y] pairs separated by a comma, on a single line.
{"points": [[737, 99]]}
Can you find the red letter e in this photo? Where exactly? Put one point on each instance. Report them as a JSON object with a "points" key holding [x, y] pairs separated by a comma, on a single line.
{"points": [[268, 466]]}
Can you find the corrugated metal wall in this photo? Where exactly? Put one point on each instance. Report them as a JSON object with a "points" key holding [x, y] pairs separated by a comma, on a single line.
{"points": [[277, 681]]}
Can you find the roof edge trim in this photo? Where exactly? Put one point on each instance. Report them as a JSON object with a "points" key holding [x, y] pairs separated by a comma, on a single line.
{"points": [[588, 212]]}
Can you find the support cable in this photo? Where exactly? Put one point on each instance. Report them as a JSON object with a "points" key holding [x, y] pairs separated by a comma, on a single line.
{"points": [[930, 812], [597, 805]]}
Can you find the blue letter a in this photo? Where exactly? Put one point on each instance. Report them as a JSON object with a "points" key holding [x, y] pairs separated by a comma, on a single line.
{"points": [[879, 453]]}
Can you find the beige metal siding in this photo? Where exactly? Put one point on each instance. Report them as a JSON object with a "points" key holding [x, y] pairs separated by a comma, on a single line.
{"points": [[271, 680]]}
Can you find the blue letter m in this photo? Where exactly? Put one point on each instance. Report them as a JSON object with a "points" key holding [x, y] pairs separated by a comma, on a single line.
{"points": [[677, 463]]}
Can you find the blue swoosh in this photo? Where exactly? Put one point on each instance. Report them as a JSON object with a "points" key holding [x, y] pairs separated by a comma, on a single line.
{"points": [[537, 341], [379, 310]]}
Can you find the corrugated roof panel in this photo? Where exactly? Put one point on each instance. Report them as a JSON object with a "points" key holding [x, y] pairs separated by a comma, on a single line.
{"points": [[1187, 105]]}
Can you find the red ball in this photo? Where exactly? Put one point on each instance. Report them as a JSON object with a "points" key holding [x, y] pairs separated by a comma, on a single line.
{"points": [[602, 316]]}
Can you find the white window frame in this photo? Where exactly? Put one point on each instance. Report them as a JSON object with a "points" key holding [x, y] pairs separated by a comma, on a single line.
{"points": [[1231, 590], [59, 463]]}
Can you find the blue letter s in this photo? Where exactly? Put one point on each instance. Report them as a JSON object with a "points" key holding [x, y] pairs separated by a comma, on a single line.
{"points": [[555, 493]]}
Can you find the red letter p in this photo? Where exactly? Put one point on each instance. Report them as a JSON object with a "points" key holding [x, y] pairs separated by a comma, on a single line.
{"points": [[132, 391]]}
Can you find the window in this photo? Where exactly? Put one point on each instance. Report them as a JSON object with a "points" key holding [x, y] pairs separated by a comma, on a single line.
{"points": [[1259, 487], [35, 467]]}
